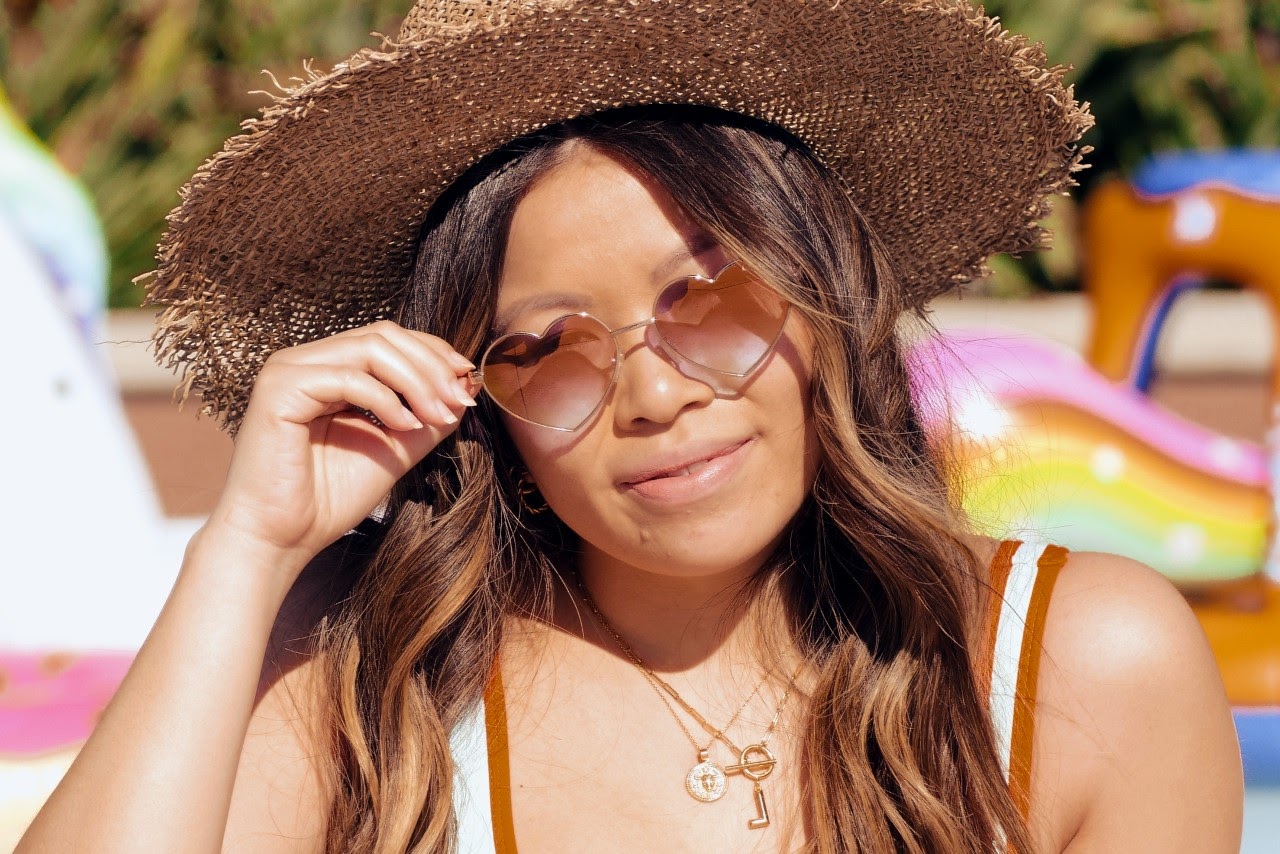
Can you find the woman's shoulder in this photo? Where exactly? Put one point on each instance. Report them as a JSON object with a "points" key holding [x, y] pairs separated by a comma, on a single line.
{"points": [[1117, 630], [1118, 617], [1134, 738]]}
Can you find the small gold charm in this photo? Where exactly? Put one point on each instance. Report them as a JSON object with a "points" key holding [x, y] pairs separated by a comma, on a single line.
{"points": [[762, 812], [755, 763], [706, 780]]}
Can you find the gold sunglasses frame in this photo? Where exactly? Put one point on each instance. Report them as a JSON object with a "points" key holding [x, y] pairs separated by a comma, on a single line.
{"points": [[477, 376]]}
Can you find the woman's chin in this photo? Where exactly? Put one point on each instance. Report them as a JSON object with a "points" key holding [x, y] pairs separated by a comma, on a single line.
{"points": [[684, 559]]}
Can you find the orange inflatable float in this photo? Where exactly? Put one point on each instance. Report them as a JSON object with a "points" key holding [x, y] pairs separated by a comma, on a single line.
{"points": [[1185, 218]]}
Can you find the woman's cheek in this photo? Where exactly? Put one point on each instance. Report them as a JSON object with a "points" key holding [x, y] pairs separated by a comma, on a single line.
{"points": [[550, 456]]}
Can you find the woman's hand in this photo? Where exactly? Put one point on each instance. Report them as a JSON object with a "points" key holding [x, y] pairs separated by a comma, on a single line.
{"points": [[307, 467]]}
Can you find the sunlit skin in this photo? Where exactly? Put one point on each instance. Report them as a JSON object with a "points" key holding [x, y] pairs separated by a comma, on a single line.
{"points": [[607, 240]]}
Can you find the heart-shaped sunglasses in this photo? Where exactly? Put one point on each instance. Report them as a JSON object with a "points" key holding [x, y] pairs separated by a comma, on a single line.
{"points": [[727, 324]]}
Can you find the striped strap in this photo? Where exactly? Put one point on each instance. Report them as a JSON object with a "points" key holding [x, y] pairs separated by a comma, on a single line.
{"points": [[1001, 566], [1017, 633]]}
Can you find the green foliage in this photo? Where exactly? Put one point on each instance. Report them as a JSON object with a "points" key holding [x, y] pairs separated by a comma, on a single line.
{"points": [[135, 94], [1160, 75]]}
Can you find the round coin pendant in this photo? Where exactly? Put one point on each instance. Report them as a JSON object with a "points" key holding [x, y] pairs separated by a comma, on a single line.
{"points": [[705, 781]]}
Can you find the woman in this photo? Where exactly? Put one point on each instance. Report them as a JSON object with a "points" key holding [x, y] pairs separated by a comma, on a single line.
{"points": [[689, 577]]}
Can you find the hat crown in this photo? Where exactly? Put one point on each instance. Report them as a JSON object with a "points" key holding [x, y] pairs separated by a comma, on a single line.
{"points": [[432, 20]]}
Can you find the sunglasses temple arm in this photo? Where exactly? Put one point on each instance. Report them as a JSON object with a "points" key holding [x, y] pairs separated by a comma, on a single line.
{"points": [[476, 378], [637, 325]]}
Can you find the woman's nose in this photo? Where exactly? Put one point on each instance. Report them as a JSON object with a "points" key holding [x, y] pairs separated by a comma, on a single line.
{"points": [[651, 388]]}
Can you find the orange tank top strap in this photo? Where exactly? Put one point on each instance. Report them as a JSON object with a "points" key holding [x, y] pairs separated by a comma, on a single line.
{"points": [[1023, 575], [495, 720]]}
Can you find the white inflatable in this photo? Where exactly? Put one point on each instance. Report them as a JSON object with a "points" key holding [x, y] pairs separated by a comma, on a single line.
{"points": [[88, 556]]}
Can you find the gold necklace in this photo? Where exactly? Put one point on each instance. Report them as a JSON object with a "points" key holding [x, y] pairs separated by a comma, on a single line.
{"points": [[706, 781]]}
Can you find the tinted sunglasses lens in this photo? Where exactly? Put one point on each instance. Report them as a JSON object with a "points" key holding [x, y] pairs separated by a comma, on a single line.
{"points": [[556, 379], [727, 325]]}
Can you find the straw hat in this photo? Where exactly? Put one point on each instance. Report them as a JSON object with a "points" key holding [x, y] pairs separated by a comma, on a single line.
{"points": [[950, 133]]}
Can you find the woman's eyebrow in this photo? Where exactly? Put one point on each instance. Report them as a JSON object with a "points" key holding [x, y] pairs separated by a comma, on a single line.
{"points": [[698, 244], [570, 302]]}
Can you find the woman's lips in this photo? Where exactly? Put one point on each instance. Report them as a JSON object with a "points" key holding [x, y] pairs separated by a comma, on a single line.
{"points": [[693, 480]]}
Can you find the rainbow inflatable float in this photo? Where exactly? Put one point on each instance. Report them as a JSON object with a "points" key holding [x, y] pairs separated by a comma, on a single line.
{"points": [[1041, 442], [1071, 448]]}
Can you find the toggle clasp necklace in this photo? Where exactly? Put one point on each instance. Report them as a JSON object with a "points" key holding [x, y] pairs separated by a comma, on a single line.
{"points": [[707, 781]]}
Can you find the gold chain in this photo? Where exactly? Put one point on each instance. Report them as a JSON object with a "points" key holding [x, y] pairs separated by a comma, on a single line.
{"points": [[706, 780], [716, 734], [663, 688]]}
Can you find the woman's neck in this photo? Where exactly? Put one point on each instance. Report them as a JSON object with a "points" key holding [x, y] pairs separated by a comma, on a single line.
{"points": [[675, 623]]}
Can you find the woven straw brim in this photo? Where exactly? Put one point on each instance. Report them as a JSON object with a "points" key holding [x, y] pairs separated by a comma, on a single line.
{"points": [[950, 134]]}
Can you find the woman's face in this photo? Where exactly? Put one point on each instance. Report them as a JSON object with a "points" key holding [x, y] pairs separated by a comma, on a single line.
{"points": [[668, 476]]}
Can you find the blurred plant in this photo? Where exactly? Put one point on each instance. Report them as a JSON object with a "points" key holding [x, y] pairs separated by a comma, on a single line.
{"points": [[1160, 74], [134, 94]]}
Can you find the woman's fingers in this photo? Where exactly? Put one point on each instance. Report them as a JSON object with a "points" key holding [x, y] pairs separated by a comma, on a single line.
{"points": [[409, 339], [459, 362], [415, 372], [310, 392], [426, 375]]}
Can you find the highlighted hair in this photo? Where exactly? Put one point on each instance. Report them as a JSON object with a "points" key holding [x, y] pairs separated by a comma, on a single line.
{"points": [[875, 580]]}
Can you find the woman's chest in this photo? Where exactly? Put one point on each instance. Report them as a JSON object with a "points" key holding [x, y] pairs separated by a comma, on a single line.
{"points": [[605, 763]]}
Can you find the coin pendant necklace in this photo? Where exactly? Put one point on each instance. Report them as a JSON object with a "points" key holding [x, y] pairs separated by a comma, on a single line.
{"points": [[707, 780], [755, 761]]}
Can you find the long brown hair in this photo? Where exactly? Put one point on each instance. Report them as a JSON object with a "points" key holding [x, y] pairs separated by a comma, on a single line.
{"points": [[899, 746]]}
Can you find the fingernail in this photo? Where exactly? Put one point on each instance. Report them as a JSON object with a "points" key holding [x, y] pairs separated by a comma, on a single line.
{"points": [[414, 423], [446, 413], [462, 397]]}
